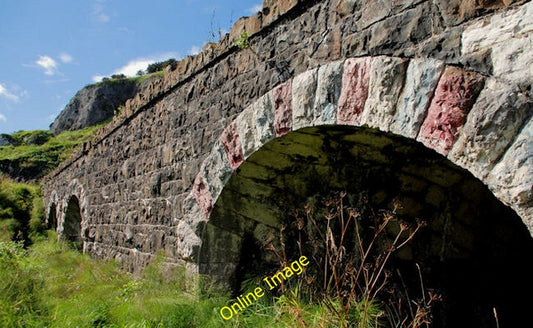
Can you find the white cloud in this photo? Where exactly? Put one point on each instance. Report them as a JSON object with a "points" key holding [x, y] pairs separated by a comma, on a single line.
{"points": [[255, 9], [195, 50], [133, 66], [7, 94], [49, 65], [3, 118], [97, 78], [65, 58]]}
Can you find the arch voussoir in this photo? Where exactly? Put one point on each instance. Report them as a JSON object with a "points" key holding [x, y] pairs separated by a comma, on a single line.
{"points": [[493, 123], [456, 92], [421, 80], [421, 99], [386, 81], [511, 180]]}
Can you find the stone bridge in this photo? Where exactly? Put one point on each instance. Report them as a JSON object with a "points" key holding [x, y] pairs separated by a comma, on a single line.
{"points": [[428, 102]]}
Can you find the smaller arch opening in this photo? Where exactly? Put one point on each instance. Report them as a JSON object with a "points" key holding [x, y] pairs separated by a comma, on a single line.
{"points": [[52, 218], [72, 223]]}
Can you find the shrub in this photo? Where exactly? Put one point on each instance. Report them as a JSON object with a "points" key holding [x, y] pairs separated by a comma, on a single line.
{"points": [[118, 77], [21, 210], [159, 66]]}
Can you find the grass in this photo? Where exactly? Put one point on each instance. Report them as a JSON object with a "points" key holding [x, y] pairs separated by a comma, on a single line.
{"points": [[32, 160], [51, 284]]}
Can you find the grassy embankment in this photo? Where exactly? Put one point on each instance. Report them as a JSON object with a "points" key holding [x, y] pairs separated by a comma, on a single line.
{"points": [[36, 153]]}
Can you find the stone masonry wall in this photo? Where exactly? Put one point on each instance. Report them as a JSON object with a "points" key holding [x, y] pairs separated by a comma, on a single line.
{"points": [[134, 178]]}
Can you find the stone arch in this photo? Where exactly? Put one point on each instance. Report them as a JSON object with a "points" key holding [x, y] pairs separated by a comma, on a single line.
{"points": [[72, 221], [51, 217], [480, 124], [72, 214], [475, 122], [52, 211]]}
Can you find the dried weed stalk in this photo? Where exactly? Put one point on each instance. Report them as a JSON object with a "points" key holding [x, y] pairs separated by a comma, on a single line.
{"points": [[351, 249]]}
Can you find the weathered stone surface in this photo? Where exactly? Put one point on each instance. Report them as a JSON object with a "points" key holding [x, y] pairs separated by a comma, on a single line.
{"points": [[303, 98], [231, 141], [330, 46], [282, 99], [246, 131], [515, 23], [407, 29], [355, 84], [188, 242], [456, 92], [263, 113], [506, 35], [6, 140], [202, 195], [387, 77], [511, 180], [372, 12], [493, 123], [421, 80], [328, 90], [273, 9], [344, 7], [512, 63], [249, 24], [457, 11]]}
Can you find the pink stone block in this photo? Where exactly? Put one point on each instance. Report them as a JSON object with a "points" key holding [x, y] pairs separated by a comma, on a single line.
{"points": [[454, 96], [232, 144], [355, 82], [202, 195], [282, 97]]}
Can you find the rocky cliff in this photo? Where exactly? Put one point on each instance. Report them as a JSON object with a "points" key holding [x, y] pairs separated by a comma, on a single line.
{"points": [[93, 104], [98, 102]]}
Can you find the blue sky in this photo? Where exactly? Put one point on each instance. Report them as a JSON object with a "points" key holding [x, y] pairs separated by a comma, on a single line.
{"points": [[51, 49]]}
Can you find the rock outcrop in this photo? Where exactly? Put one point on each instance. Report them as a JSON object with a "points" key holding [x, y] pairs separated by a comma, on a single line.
{"points": [[93, 104], [6, 140]]}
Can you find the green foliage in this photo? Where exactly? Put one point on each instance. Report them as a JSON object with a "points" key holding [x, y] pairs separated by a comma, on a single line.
{"points": [[21, 210], [35, 137], [243, 41], [118, 77], [140, 79], [34, 160], [159, 66], [52, 285]]}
